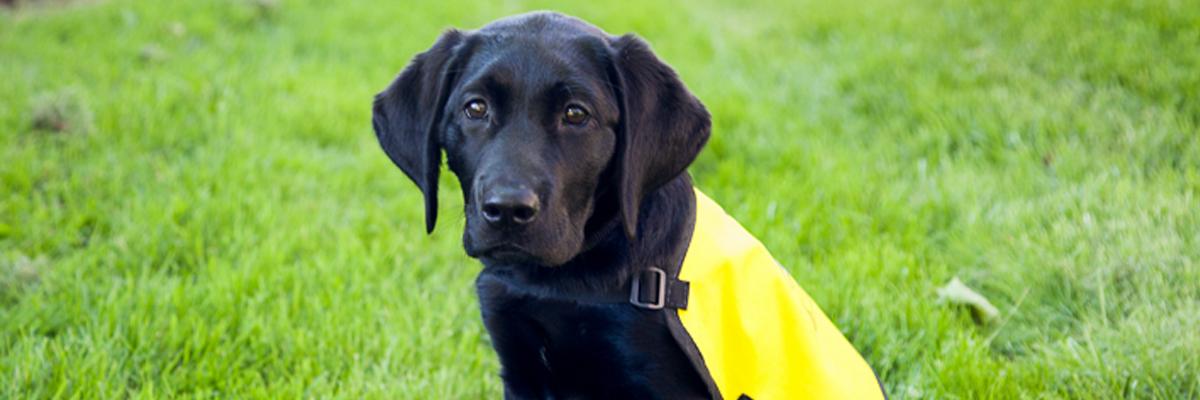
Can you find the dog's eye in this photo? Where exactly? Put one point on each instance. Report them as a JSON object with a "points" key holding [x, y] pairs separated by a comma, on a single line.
{"points": [[476, 109], [575, 115]]}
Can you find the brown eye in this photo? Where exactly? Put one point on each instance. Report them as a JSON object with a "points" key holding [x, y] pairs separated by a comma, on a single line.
{"points": [[575, 115], [476, 109]]}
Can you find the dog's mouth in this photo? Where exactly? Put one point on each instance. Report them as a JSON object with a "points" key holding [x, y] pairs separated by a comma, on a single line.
{"points": [[530, 248], [507, 253]]}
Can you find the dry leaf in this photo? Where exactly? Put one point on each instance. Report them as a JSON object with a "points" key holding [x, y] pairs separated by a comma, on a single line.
{"points": [[956, 292]]}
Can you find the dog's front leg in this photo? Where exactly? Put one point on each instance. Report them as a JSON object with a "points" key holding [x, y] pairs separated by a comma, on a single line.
{"points": [[521, 368], [518, 341], [519, 347]]}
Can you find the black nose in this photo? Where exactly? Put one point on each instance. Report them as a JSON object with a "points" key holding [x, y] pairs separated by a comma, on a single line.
{"points": [[510, 207]]}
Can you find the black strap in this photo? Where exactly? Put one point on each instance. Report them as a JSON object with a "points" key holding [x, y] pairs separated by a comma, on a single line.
{"points": [[642, 291], [653, 289]]}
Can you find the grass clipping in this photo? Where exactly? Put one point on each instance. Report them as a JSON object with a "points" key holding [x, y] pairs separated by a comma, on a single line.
{"points": [[956, 292]]}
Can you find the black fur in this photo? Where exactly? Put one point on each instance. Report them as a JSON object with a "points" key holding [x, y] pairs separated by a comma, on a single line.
{"points": [[611, 196]]}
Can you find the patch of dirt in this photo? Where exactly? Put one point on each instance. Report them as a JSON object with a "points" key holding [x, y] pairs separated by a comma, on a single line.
{"points": [[62, 111]]}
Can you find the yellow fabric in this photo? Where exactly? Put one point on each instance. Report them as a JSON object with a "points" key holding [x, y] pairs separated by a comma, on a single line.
{"points": [[758, 332]]}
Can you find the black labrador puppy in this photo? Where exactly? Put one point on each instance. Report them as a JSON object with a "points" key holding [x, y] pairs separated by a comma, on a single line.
{"points": [[571, 147]]}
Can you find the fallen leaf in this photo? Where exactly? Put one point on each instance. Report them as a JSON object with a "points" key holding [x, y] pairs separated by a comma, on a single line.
{"points": [[955, 292]]}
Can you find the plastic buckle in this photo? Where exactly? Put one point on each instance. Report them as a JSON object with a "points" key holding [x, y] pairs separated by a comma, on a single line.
{"points": [[662, 290]]}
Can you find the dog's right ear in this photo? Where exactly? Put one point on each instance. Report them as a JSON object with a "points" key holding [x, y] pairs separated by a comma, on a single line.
{"points": [[406, 117]]}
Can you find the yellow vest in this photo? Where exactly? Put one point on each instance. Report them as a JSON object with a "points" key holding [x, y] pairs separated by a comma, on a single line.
{"points": [[758, 333]]}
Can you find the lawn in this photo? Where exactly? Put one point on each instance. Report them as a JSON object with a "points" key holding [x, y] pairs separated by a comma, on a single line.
{"points": [[193, 204]]}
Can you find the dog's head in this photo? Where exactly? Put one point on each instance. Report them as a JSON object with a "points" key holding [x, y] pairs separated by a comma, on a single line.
{"points": [[546, 120]]}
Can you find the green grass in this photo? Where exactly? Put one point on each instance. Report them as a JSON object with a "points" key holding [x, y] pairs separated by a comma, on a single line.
{"points": [[218, 220]]}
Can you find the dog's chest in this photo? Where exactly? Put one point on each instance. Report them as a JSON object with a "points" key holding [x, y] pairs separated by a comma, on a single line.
{"points": [[569, 347], [572, 339]]}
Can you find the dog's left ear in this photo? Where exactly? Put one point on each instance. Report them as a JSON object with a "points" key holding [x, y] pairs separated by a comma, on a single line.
{"points": [[407, 113], [662, 127]]}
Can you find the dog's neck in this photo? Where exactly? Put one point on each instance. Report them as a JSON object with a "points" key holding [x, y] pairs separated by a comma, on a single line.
{"points": [[609, 258]]}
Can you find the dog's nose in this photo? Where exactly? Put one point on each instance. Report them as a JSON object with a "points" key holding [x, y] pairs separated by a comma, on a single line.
{"points": [[510, 207]]}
